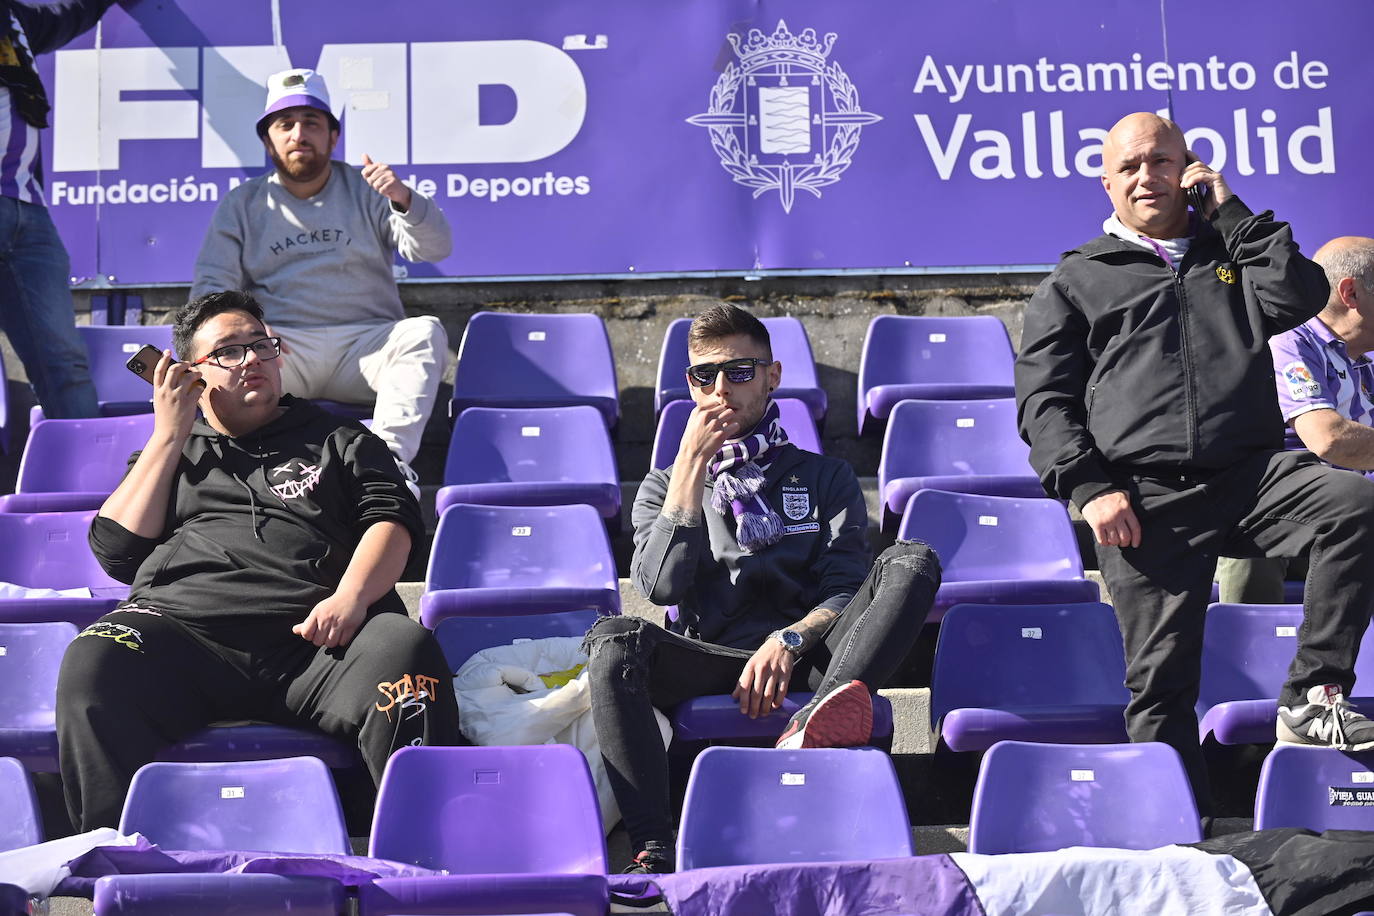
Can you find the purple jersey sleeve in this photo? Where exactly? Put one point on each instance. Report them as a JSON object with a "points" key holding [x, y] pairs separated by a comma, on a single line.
{"points": [[1300, 374]]}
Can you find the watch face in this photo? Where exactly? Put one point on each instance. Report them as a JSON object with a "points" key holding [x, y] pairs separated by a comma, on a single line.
{"points": [[791, 640]]}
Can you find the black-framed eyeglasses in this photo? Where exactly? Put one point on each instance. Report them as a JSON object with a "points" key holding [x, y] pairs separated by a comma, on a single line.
{"points": [[232, 356], [737, 371]]}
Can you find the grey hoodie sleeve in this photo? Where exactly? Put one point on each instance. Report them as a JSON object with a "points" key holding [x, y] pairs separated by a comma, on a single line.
{"points": [[844, 562], [666, 555], [419, 234], [219, 265]]}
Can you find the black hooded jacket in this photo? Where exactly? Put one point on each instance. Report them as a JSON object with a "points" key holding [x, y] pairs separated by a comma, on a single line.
{"points": [[260, 528]]}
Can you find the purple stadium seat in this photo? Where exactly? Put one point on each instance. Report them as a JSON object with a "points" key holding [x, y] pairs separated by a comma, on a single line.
{"points": [[221, 895], [461, 637], [69, 465], [49, 550], [533, 457], [1038, 672], [959, 446], [796, 420], [758, 806], [1316, 788], [998, 550], [30, 657], [360, 412], [791, 347], [492, 560], [932, 358], [119, 391], [286, 805], [1246, 652], [517, 828], [717, 718], [260, 741], [508, 359], [1043, 797], [22, 824]]}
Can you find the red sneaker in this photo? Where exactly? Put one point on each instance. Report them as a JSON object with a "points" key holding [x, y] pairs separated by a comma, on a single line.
{"points": [[843, 718]]}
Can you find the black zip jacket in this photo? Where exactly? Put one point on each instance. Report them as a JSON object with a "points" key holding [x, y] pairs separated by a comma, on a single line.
{"points": [[1129, 366], [261, 528]]}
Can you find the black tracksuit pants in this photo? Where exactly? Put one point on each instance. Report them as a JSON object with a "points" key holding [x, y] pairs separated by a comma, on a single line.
{"points": [[136, 681], [1270, 504]]}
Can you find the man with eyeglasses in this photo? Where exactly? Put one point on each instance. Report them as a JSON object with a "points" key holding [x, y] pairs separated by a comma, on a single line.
{"points": [[763, 547], [262, 542], [314, 240]]}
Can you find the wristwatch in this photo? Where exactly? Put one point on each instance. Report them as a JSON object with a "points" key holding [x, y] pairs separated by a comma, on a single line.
{"points": [[791, 640]]}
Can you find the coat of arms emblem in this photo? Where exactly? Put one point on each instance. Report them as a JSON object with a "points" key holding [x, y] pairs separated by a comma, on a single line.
{"points": [[784, 118]]}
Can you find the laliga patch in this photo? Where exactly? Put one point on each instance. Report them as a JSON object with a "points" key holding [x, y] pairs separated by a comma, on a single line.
{"points": [[1226, 275], [1301, 384], [796, 506]]}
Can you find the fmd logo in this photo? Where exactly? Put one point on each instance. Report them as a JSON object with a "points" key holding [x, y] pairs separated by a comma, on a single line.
{"points": [[783, 119]]}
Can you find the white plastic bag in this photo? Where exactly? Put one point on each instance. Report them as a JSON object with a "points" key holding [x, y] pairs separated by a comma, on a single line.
{"points": [[502, 700]]}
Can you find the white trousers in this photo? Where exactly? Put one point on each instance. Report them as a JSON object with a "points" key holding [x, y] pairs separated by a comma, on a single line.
{"points": [[396, 366]]}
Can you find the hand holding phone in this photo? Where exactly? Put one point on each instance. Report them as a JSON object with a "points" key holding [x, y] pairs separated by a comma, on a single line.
{"points": [[144, 363], [1208, 189]]}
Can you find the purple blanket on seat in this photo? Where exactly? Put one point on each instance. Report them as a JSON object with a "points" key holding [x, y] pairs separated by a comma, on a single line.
{"points": [[143, 858], [920, 886]]}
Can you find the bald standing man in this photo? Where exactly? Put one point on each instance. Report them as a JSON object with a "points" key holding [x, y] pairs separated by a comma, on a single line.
{"points": [[1145, 390]]}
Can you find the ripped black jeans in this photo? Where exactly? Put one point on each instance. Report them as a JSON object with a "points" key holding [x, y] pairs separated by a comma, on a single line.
{"points": [[635, 665]]}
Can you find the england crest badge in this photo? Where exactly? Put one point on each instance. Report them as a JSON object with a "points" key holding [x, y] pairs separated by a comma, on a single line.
{"points": [[796, 506]]}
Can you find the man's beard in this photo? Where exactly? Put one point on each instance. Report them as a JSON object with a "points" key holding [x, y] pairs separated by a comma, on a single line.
{"points": [[302, 170]]}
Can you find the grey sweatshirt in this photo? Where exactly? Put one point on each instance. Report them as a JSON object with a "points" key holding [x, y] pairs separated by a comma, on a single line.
{"points": [[325, 260], [728, 597]]}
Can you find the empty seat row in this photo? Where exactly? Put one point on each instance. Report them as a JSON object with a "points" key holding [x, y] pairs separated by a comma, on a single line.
{"points": [[509, 359], [1056, 673]]}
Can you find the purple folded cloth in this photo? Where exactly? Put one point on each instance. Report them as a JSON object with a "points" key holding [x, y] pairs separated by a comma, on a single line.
{"points": [[144, 858]]}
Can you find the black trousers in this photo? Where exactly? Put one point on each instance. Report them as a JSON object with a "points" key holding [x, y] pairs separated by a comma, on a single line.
{"points": [[136, 681], [1271, 504], [635, 666]]}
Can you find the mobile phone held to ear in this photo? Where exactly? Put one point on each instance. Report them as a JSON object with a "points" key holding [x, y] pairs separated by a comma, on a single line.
{"points": [[1197, 197], [1197, 194], [145, 361]]}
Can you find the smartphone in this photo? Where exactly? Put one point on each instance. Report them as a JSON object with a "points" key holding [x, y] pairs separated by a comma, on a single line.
{"points": [[1197, 194], [145, 361]]}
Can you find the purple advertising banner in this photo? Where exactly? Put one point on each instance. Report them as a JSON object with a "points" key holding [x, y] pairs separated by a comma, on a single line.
{"points": [[610, 137]]}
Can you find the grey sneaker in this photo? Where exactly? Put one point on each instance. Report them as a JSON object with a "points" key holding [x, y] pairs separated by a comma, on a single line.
{"points": [[1325, 720], [412, 479]]}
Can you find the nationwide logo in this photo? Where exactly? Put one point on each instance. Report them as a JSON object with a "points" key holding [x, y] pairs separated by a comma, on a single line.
{"points": [[783, 119]]}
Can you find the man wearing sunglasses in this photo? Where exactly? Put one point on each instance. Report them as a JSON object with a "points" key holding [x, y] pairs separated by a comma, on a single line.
{"points": [[262, 542], [764, 549]]}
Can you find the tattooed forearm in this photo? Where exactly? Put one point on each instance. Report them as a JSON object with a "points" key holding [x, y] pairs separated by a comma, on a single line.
{"points": [[682, 517], [813, 626]]}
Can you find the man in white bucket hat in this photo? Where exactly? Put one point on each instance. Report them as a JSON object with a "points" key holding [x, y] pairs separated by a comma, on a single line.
{"points": [[313, 241]]}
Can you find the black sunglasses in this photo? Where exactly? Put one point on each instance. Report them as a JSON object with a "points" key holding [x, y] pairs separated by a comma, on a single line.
{"points": [[737, 371]]}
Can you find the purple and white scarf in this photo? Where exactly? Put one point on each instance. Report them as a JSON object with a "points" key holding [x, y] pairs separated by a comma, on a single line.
{"points": [[737, 470]]}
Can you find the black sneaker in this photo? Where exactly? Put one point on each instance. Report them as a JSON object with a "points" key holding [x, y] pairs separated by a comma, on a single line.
{"points": [[652, 861], [1325, 720]]}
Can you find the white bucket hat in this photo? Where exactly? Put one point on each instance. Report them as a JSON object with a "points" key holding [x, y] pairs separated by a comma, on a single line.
{"points": [[293, 89]]}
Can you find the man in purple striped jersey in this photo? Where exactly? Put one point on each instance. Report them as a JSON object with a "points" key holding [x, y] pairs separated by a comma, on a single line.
{"points": [[36, 310], [1325, 382]]}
